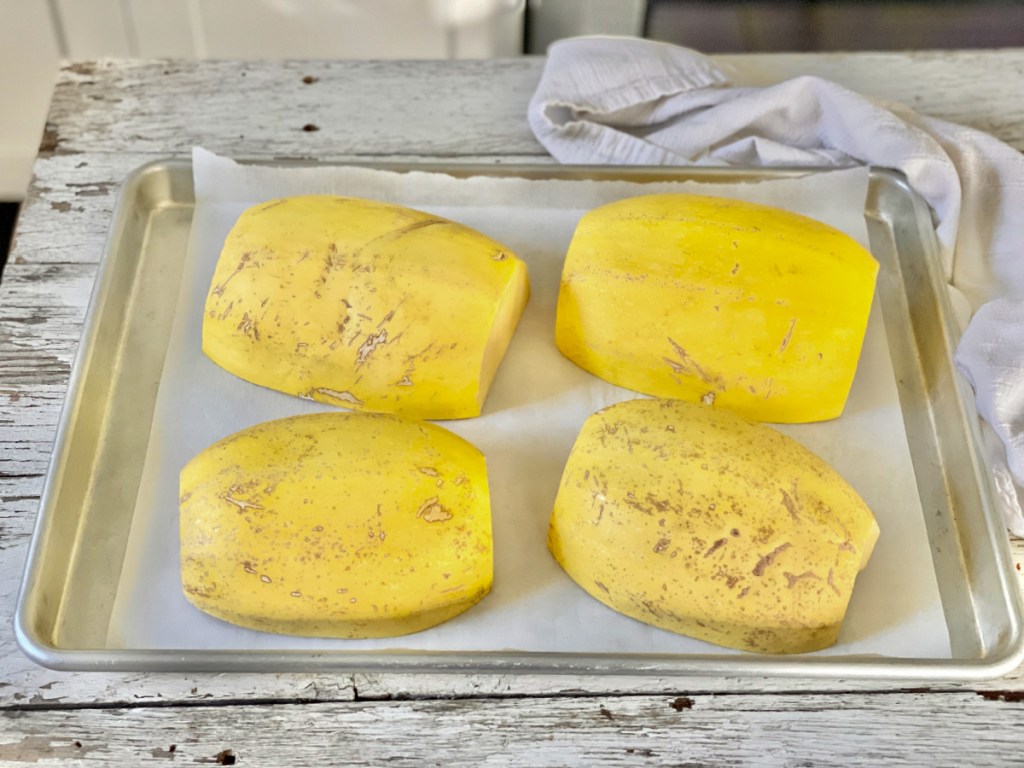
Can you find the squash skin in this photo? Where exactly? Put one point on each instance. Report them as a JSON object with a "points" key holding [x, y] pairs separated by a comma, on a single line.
{"points": [[336, 524], [697, 298], [697, 521], [364, 305]]}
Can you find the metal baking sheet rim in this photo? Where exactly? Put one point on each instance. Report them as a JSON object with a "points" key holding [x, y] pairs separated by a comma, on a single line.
{"points": [[41, 649]]}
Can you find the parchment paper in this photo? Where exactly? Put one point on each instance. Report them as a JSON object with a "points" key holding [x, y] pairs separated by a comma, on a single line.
{"points": [[535, 408]]}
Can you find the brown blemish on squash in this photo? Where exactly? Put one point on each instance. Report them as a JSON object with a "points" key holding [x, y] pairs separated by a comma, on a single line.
{"points": [[271, 204], [763, 535], [788, 336], [373, 340], [832, 584], [687, 365], [715, 547], [790, 505], [345, 397], [242, 504], [793, 579], [730, 580], [248, 327], [394, 234], [431, 511], [219, 289], [767, 560]]}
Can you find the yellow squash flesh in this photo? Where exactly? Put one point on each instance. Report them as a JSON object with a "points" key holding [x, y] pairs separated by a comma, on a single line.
{"points": [[336, 524], [707, 299], [364, 305], [697, 521]]}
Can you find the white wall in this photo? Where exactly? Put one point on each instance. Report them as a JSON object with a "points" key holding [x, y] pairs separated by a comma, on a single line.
{"points": [[292, 29], [28, 64]]}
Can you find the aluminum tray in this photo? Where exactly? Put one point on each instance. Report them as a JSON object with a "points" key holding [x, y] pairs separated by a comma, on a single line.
{"points": [[86, 510]]}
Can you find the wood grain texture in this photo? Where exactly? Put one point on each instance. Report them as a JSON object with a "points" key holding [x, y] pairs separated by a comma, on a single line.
{"points": [[164, 108], [386, 108], [718, 730], [108, 118]]}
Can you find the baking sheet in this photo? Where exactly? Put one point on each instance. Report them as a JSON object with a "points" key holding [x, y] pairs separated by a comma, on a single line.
{"points": [[535, 408]]}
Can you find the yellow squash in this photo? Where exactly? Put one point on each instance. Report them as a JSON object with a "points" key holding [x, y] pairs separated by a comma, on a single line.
{"points": [[336, 524], [697, 521], [364, 305], [707, 299]]}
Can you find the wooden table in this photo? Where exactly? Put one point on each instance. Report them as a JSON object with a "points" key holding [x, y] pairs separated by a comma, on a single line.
{"points": [[110, 117]]}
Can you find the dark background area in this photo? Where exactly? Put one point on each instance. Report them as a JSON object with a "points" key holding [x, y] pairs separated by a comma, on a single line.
{"points": [[732, 26], [8, 214]]}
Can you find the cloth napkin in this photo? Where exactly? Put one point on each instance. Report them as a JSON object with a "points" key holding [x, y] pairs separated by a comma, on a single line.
{"points": [[631, 101]]}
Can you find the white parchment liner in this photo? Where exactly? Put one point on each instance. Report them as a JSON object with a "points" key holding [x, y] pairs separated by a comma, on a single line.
{"points": [[535, 408]]}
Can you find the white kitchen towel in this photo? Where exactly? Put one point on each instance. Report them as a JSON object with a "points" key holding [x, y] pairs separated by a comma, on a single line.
{"points": [[630, 101]]}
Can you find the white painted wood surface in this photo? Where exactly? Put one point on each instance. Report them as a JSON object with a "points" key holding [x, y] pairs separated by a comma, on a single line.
{"points": [[810, 729], [110, 117]]}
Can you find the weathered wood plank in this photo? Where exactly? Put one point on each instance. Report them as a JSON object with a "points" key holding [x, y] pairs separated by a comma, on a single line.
{"points": [[388, 686], [166, 107], [720, 730], [50, 690], [67, 213], [39, 333]]}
